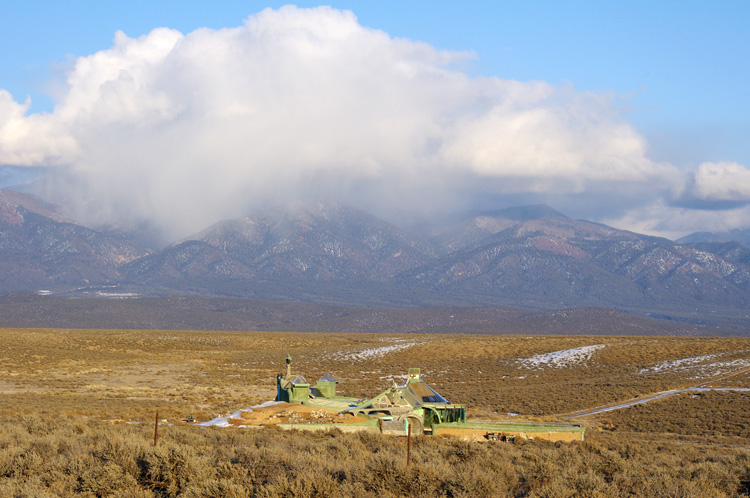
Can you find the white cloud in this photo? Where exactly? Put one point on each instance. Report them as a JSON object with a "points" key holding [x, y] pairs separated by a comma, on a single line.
{"points": [[35, 140], [188, 129], [724, 181], [560, 141], [673, 222]]}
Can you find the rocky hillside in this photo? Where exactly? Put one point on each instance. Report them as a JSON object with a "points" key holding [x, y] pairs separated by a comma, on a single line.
{"points": [[319, 240], [41, 249], [731, 251], [559, 261]]}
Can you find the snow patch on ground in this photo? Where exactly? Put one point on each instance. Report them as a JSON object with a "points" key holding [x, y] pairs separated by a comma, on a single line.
{"points": [[677, 365], [700, 366], [224, 421], [372, 353], [560, 359], [394, 377]]}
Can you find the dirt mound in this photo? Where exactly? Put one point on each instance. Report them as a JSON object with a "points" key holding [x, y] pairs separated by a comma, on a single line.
{"points": [[288, 413]]}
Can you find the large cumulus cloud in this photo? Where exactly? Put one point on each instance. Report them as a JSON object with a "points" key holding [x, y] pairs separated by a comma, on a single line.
{"points": [[185, 129]]}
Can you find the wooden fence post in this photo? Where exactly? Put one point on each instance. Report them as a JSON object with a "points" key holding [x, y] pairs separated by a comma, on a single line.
{"points": [[408, 444], [156, 429]]}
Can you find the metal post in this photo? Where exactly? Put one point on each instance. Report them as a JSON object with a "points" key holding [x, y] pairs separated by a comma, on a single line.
{"points": [[156, 429]]}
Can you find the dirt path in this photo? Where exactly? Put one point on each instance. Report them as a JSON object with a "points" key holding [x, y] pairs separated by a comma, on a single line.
{"points": [[700, 387]]}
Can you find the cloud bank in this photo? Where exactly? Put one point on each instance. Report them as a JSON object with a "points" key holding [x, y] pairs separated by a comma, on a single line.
{"points": [[181, 130], [725, 181]]}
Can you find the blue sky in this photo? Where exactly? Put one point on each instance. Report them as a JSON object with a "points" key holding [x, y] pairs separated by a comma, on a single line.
{"points": [[676, 71]]}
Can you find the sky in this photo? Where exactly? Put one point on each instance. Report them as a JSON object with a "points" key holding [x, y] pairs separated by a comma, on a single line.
{"points": [[176, 114]]}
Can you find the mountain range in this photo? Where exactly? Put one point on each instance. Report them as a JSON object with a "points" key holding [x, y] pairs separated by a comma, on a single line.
{"points": [[317, 251], [739, 235]]}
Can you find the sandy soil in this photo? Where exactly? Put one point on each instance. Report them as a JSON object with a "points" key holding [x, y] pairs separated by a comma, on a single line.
{"points": [[288, 413], [478, 434]]}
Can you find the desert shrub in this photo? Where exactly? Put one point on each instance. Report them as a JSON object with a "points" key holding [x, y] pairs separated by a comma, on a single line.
{"points": [[116, 461], [304, 485], [556, 487], [171, 467], [32, 488], [26, 463], [217, 488], [666, 486], [386, 472], [476, 481], [590, 484], [123, 450], [35, 424], [105, 481]]}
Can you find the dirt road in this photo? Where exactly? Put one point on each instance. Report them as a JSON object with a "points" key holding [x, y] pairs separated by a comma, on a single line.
{"points": [[700, 387]]}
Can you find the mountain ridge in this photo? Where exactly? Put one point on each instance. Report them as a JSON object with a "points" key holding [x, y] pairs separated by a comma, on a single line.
{"points": [[737, 235], [319, 251]]}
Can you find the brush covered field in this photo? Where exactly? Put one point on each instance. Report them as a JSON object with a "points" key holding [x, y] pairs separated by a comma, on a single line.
{"points": [[77, 412]]}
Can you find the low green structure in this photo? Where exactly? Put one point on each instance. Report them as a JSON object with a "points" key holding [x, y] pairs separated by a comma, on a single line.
{"points": [[325, 387], [295, 389], [413, 402], [413, 407]]}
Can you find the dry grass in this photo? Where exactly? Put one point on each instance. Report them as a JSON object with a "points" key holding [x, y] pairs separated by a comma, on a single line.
{"points": [[42, 456], [60, 389], [706, 413], [186, 372]]}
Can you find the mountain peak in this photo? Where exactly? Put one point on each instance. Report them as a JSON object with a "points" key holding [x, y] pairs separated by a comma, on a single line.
{"points": [[526, 213], [11, 201], [735, 235]]}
